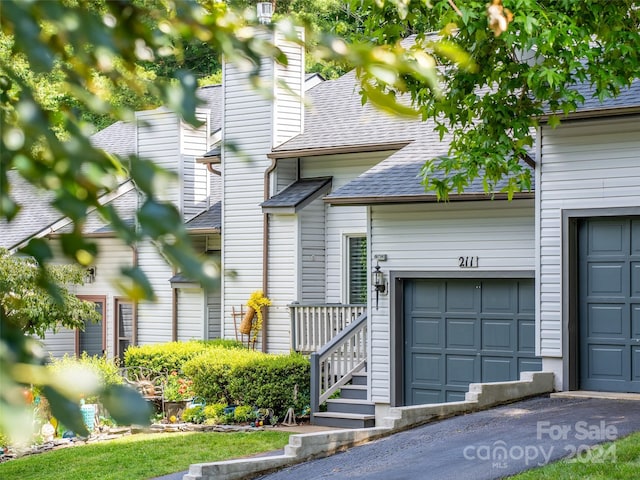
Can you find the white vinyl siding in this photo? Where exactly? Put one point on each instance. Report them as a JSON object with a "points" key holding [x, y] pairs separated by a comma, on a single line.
{"points": [[154, 318], [190, 313], [214, 329], [158, 139], [248, 124], [288, 84], [285, 174], [585, 164], [313, 253], [247, 120], [342, 220], [430, 238], [283, 239], [195, 176]]}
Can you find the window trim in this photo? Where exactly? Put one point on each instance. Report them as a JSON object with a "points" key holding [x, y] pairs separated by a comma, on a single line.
{"points": [[346, 266]]}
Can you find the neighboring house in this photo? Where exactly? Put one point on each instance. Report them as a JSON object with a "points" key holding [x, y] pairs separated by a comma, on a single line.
{"points": [[319, 204], [183, 310]]}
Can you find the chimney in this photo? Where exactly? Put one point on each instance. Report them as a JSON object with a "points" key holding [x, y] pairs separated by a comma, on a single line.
{"points": [[265, 12]]}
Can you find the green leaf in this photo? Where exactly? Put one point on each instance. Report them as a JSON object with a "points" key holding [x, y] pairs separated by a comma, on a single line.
{"points": [[65, 410], [125, 405]]}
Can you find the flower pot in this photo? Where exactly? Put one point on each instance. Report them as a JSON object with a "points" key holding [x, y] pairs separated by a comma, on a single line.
{"points": [[175, 408], [247, 321]]}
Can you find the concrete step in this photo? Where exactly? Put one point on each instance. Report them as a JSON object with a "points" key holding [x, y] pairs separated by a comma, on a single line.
{"points": [[344, 420], [349, 405], [356, 392], [359, 378]]}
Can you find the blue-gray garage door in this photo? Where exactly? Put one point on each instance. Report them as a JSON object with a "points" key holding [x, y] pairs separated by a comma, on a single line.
{"points": [[458, 332], [609, 304]]}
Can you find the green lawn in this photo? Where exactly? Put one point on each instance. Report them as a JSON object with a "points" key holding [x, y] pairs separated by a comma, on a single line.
{"points": [[620, 461], [141, 456]]}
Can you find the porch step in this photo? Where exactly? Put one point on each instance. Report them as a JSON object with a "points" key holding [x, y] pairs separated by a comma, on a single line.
{"points": [[359, 378], [344, 420], [355, 392], [350, 405]]}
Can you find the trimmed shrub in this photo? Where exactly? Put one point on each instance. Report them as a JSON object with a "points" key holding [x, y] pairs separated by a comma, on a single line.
{"points": [[270, 382], [193, 414], [212, 371], [170, 356], [245, 377]]}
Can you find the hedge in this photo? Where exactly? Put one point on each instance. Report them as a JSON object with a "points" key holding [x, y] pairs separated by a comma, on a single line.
{"points": [[244, 377], [167, 357]]}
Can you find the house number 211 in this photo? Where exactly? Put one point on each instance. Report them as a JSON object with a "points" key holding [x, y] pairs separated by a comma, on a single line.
{"points": [[468, 262]]}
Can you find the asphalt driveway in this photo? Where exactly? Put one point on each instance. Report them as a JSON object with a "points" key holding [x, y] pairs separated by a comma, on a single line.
{"points": [[485, 445]]}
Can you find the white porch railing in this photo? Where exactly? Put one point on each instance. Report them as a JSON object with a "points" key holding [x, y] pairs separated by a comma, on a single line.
{"points": [[336, 362], [313, 326]]}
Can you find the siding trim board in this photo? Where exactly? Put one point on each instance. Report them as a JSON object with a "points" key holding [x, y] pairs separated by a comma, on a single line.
{"points": [[569, 285], [396, 294]]}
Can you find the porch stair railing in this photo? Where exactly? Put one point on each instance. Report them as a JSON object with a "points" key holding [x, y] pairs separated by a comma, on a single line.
{"points": [[313, 326], [334, 365]]}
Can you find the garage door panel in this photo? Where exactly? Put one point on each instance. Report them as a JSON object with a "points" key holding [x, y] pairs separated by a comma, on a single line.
{"points": [[461, 297], [635, 237], [426, 333], [454, 396], [635, 363], [606, 320], [529, 365], [498, 369], [497, 297], [427, 368], [461, 333], [422, 396], [460, 369], [606, 362], [526, 336], [607, 237], [635, 322], [606, 279], [526, 298], [497, 335], [635, 279], [427, 296]]}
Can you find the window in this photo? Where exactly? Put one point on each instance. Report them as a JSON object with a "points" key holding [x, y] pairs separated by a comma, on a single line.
{"points": [[357, 270]]}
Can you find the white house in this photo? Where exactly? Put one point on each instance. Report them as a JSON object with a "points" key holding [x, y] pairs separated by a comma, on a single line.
{"points": [[406, 299]]}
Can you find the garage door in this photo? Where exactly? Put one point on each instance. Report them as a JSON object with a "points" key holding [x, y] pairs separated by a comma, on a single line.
{"points": [[461, 331], [609, 304]]}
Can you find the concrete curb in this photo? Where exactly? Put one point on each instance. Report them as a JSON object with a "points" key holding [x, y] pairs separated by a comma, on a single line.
{"points": [[308, 446]]}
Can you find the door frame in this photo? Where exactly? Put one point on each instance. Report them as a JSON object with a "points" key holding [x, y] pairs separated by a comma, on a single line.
{"points": [[397, 280], [570, 285], [94, 298]]}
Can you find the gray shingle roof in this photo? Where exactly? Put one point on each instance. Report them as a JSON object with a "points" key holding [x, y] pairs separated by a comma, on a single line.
{"points": [[210, 219], [298, 194], [335, 116], [628, 97], [118, 138], [212, 96], [36, 214]]}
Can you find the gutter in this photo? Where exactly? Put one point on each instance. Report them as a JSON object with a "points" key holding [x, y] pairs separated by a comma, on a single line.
{"points": [[383, 200], [594, 113], [309, 152], [265, 253]]}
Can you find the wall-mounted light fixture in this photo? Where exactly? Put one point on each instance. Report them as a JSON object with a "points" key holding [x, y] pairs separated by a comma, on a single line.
{"points": [[378, 282], [90, 274]]}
